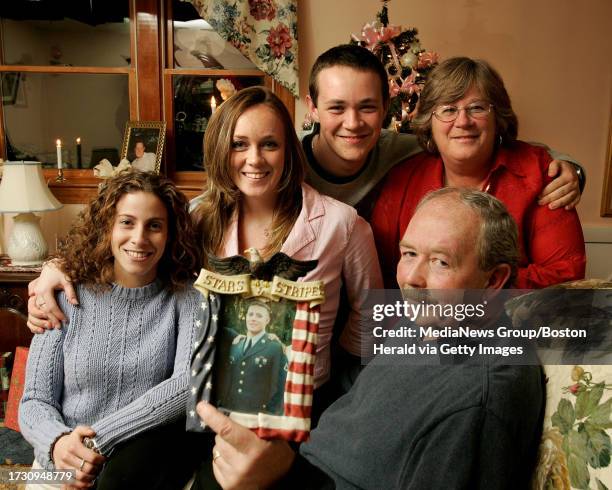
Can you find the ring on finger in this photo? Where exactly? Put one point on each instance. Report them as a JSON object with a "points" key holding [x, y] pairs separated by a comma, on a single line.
{"points": [[82, 464], [216, 455]]}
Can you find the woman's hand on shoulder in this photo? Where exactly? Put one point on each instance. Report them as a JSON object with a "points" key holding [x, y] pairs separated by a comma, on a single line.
{"points": [[69, 453], [43, 311], [564, 190]]}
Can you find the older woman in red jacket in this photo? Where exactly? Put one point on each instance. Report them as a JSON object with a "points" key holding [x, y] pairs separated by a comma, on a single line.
{"points": [[468, 128]]}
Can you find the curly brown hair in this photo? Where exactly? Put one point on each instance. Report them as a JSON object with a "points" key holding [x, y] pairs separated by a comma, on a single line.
{"points": [[86, 254]]}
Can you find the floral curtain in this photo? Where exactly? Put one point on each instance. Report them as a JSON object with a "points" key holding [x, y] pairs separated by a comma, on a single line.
{"points": [[265, 31]]}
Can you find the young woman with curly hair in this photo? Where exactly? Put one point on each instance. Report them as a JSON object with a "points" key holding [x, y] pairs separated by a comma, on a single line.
{"points": [[92, 233], [106, 394]]}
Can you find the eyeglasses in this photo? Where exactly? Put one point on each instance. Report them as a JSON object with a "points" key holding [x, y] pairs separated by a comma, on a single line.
{"points": [[476, 110]]}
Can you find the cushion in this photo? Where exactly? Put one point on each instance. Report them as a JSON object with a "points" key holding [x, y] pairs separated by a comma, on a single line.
{"points": [[576, 441], [575, 447]]}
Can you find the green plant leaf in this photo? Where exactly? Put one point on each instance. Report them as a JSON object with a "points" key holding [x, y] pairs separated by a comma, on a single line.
{"points": [[564, 417], [598, 445], [578, 444], [582, 402], [578, 471], [594, 398], [601, 414], [575, 445], [264, 52], [600, 485]]}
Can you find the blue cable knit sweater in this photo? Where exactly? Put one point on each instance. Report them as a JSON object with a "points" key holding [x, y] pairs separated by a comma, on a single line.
{"points": [[120, 366]]}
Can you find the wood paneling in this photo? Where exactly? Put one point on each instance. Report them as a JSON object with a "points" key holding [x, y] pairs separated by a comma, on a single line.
{"points": [[79, 187], [67, 69], [190, 183], [148, 60], [13, 310], [283, 94], [213, 73], [170, 147], [606, 200]]}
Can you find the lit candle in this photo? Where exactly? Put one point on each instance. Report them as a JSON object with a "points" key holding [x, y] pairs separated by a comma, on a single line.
{"points": [[78, 152], [58, 145], [213, 104]]}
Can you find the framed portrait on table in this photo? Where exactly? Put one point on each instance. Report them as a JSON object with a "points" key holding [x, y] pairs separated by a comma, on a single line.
{"points": [[143, 144], [263, 332]]}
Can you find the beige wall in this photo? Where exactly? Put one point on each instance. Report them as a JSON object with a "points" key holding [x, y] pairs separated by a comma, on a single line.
{"points": [[555, 57]]}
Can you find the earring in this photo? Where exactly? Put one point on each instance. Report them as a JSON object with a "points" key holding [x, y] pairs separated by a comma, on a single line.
{"points": [[501, 140], [430, 146]]}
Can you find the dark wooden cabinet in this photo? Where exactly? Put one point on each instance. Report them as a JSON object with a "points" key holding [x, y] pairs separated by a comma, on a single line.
{"points": [[14, 310], [151, 79]]}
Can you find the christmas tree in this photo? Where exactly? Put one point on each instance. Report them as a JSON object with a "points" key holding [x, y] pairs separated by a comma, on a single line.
{"points": [[406, 63]]}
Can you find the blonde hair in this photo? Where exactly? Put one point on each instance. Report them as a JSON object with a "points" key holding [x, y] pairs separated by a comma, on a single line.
{"points": [[449, 81], [222, 198]]}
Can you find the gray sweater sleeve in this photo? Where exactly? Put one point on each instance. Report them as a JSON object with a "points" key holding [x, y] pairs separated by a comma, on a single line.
{"points": [[469, 449], [163, 403], [556, 155], [40, 416]]}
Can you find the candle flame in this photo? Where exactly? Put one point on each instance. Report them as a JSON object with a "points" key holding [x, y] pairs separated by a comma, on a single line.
{"points": [[213, 103], [78, 141], [58, 143]]}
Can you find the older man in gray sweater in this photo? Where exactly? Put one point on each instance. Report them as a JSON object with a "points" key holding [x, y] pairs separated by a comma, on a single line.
{"points": [[472, 425]]}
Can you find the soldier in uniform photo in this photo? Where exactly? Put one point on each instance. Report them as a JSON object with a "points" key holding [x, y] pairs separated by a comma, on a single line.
{"points": [[252, 376]]}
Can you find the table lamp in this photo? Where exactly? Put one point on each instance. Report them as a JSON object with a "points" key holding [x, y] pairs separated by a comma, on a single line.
{"points": [[23, 190]]}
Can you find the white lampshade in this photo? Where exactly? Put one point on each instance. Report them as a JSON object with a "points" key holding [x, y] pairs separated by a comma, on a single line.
{"points": [[23, 190]]}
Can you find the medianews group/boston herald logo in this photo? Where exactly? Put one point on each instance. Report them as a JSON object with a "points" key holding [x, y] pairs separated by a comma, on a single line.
{"points": [[552, 326], [458, 332]]}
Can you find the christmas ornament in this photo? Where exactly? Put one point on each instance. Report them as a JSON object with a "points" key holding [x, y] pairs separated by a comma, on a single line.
{"points": [[406, 63]]}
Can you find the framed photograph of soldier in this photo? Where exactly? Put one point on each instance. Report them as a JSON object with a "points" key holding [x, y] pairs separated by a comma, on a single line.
{"points": [[264, 343], [252, 351]]}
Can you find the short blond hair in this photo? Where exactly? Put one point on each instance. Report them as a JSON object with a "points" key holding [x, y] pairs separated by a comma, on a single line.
{"points": [[449, 82]]}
